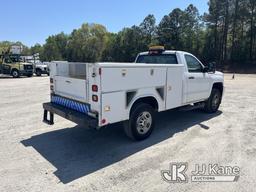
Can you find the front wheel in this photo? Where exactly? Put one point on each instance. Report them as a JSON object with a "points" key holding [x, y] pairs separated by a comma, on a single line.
{"points": [[38, 72], [141, 122], [213, 103], [15, 73]]}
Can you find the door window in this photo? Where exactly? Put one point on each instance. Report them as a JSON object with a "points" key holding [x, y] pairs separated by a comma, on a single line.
{"points": [[194, 66]]}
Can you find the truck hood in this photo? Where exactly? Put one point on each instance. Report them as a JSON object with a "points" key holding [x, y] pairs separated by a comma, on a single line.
{"points": [[219, 73]]}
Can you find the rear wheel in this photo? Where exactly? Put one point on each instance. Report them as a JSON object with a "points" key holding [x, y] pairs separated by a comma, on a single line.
{"points": [[15, 73], [141, 122], [213, 103]]}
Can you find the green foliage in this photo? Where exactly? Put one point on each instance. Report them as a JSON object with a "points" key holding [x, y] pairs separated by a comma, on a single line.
{"points": [[231, 31], [55, 47], [182, 30], [128, 43], [226, 34], [87, 43], [37, 48]]}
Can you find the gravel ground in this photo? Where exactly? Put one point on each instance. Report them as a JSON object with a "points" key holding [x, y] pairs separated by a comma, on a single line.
{"points": [[65, 157]]}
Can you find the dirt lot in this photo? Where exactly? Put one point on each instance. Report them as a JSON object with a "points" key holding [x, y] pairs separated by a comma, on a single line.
{"points": [[65, 157]]}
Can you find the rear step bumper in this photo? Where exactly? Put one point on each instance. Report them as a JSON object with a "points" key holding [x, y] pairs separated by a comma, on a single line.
{"points": [[74, 116]]}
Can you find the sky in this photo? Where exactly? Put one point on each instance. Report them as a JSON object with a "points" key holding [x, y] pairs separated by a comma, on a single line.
{"points": [[32, 21]]}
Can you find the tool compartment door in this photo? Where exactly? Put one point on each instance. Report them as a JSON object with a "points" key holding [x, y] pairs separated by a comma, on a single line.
{"points": [[70, 81], [113, 107], [71, 88], [174, 87]]}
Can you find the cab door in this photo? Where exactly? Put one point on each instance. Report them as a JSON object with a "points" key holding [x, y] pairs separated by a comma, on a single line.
{"points": [[198, 82]]}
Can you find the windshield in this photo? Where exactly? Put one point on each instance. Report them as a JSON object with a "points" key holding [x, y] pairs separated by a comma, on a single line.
{"points": [[158, 59], [13, 59]]}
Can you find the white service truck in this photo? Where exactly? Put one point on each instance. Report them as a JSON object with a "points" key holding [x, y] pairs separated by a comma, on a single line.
{"points": [[99, 94]]}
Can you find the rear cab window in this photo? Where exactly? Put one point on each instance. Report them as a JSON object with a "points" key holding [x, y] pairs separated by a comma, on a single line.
{"points": [[158, 59]]}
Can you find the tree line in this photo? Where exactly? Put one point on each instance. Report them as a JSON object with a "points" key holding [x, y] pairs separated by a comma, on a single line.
{"points": [[226, 35]]}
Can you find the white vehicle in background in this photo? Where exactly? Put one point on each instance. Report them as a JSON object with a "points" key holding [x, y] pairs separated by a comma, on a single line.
{"points": [[39, 67], [99, 94]]}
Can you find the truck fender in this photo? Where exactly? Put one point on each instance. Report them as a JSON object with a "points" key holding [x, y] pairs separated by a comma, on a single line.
{"points": [[13, 69], [148, 99], [218, 85]]}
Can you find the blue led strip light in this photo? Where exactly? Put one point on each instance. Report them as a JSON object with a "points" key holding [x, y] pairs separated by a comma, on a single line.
{"points": [[80, 107]]}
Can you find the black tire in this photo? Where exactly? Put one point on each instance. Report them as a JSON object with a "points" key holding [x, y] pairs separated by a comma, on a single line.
{"points": [[213, 103], [38, 72], [15, 73], [139, 126]]}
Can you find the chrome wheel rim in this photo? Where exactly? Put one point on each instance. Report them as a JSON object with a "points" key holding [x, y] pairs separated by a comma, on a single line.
{"points": [[144, 122]]}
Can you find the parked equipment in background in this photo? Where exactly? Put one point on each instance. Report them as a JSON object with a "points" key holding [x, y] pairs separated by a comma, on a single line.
{"points": [[16, 49], [39, 67], [99, 94], [13, 64]]}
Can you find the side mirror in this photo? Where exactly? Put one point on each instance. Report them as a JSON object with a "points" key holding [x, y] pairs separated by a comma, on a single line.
{"points": [[205, 69], [212, 67]]}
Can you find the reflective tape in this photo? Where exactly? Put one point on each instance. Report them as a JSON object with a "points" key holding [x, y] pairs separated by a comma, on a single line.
{"points": [[71, 104]]}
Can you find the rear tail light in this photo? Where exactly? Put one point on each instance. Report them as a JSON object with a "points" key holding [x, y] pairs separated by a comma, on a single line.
{"points": [[95, 98], [94, 88], [103, 121], [51, 85]]}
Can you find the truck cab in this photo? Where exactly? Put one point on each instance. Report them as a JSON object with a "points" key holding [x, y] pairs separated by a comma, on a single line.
{"points": [[198, 79], [11, 64], [41, 68]]}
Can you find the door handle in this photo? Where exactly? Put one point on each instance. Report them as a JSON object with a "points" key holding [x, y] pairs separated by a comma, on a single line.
{"points": [[191, 78]]}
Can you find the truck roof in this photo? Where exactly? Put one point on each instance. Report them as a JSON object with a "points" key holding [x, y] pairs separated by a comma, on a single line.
{"points": [[164, 52], [132, 65]]}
